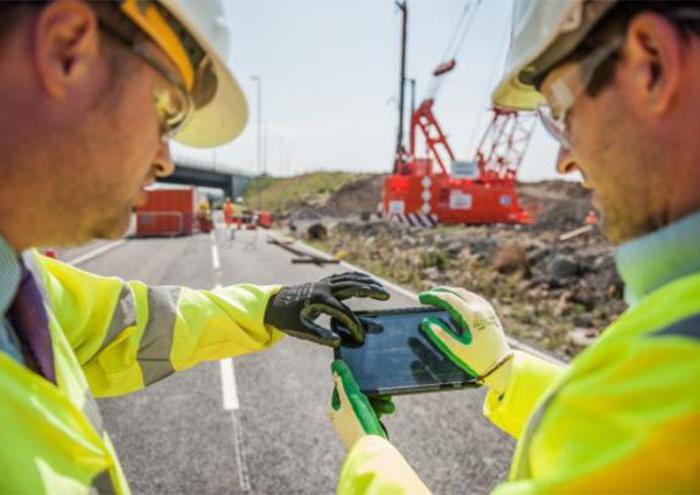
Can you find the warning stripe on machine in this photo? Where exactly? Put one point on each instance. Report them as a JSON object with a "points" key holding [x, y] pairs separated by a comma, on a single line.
{"points": [[414, 219]]}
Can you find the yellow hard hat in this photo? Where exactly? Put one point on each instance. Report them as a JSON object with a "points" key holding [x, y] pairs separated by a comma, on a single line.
{"points": [[543, 32], [195, 37]]}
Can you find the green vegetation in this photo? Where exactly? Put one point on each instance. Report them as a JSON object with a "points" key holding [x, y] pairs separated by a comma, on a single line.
{"points": [[281, 195]]}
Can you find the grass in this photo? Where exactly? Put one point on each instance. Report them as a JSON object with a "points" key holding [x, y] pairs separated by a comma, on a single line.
{"points": [[280, 195]]}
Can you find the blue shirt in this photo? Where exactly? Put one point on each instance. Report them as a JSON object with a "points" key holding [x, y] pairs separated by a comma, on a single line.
{"points": [[9, 282], [656, 259]]}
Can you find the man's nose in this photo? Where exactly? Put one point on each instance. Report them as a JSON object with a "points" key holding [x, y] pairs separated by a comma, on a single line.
{"points": [[162, 163], [566, 163]]}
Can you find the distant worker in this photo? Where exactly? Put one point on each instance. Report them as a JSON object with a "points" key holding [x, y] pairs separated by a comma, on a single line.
{"points": [[618, 85], [91, 94], [204, 215], [228, 212], [229, 218]]}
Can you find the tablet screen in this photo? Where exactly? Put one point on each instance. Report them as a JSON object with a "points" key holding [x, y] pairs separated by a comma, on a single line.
{"points": [[397, 358]]}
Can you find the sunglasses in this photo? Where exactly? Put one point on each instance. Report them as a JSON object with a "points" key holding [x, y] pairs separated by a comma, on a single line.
{"points": [[172, 102]]}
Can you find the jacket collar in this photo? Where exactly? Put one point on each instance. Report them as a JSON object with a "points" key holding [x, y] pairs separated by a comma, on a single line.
{"points": [[9, 275], [656, 259]]}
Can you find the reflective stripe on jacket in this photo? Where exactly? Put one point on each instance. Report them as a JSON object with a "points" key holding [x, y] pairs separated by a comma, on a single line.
{"points": [[623, 418], [109, 338]]}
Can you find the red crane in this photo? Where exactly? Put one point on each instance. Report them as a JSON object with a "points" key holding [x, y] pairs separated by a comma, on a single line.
{"points": [[482, 190]]}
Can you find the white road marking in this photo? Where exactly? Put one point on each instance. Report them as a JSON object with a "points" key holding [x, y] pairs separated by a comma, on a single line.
{"points": [[243, 477], [215, 261], [229, 394], [412, 295], [228, 385], [229, 391], [95, 252]]}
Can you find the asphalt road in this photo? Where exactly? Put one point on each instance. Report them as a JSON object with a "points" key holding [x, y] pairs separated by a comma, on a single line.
{"points": [[176, 437]]}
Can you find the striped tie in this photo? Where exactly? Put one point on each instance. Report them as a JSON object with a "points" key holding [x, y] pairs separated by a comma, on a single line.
{"points": [[29, 320]]}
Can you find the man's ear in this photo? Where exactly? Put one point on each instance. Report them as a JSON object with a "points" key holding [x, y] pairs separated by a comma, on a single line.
{"points": [[65, 44], [654, 52]]}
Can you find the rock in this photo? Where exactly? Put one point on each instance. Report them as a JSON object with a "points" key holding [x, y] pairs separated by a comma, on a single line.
{"points": [[306, 213], [604, 262], [583, 320], [562, 306], [539, 254], [431, 274], [582, 337], [483, 248], [453, 248], [317, 232], [562, 266], [511, 258]]}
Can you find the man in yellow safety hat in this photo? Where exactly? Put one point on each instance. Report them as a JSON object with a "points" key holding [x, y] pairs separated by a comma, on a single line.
{"points": [[91, 94], [618, 85]]}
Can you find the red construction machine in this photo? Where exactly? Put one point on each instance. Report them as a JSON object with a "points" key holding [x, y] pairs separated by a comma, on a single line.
{"points": [[422, 190]]}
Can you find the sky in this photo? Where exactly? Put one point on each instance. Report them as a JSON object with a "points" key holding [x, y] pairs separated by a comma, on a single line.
{"points": [[329, 74]]}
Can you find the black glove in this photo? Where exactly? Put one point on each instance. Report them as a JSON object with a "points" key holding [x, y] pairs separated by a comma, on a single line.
{"points": [[294, 309]]}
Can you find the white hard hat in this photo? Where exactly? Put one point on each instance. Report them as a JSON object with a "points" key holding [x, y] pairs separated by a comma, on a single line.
{"points": [[195, 37], [543, 32]]}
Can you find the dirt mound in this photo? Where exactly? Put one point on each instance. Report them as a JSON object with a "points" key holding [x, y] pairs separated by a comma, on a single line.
{"points": [[557, 204], [355, 197]]}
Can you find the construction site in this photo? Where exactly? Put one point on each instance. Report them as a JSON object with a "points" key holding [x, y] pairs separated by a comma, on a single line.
{"points": [[533, 249]]}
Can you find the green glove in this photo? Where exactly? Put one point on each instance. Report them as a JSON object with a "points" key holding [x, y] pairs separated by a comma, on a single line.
{"points": [[354, 415], [480, 348]]}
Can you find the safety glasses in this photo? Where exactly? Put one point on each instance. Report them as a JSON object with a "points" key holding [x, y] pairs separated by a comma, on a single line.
{"points": [[172, 102], [562, 93]]}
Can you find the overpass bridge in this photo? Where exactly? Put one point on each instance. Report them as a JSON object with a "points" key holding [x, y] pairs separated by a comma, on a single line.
{"points": [[208, 174]]}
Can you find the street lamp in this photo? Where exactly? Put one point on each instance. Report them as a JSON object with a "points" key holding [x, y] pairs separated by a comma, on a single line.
{"points": [[258, 85]]}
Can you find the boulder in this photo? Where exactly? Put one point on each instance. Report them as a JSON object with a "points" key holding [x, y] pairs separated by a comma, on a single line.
{"points": [[582, 337], [511, 258], [317, 232], [563, 266]]}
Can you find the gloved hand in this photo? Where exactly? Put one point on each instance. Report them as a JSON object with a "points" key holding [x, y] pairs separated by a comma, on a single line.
{"points": [[480, 348], [294, 308], [352, 413]]}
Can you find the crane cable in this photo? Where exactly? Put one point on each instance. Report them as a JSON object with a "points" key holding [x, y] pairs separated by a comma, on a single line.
{"points": [[485, 100], [465, 21]]}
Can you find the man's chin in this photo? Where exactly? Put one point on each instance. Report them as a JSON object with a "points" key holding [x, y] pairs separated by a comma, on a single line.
{"points": [[112, 229]]}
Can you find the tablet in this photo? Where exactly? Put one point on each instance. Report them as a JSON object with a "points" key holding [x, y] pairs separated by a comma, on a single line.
{"points": [[397, 357]]}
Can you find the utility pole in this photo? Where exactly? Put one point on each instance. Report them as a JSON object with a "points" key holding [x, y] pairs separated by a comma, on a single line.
{"points": [[258, 84], [402, 82], [413, 96], [265, 147]]}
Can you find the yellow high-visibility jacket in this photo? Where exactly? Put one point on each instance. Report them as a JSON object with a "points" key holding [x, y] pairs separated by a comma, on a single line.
{"points": [[109, 338], [624, 417]]}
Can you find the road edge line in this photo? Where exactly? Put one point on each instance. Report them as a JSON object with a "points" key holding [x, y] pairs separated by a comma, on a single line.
{"points": [[95, 253]]}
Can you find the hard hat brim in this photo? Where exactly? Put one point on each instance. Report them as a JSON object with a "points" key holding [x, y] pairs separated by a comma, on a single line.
{"points": [[512, 94], [222, 118], [559, 29]]}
